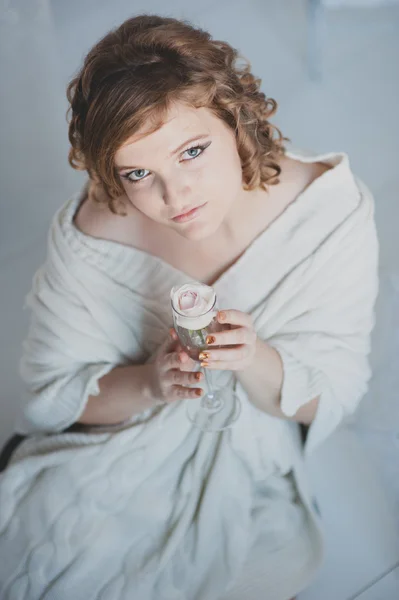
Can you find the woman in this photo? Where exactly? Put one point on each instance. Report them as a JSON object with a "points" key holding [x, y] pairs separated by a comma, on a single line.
{"points": [[112, 492]]}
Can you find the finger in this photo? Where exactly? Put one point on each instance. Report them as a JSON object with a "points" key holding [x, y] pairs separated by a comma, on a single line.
{"points": [[175, 376], [178, 392], [163, 350], [235, 317], [172, 360], [187, 363], [173, 334], [169, 344], [224, 365], [231, 337], [178, 360], [239, 352]]}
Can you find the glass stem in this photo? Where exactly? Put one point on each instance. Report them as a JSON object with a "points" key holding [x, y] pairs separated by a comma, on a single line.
{"points": [[208, 382], [210, 394]]}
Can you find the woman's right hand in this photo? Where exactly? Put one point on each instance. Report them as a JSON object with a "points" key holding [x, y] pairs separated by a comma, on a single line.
{"points": [[173, 371]]}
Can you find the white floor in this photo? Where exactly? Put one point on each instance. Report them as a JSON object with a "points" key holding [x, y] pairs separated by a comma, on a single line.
{"points": [[353, 108]]}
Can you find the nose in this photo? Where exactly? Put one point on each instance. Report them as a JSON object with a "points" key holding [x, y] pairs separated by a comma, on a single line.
{"points": [[177, 198]]}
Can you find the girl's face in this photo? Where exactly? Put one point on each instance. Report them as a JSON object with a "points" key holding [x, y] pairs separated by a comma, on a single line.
{"points": [[191, 161]]}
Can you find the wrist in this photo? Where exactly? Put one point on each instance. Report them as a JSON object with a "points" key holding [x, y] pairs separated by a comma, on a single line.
{"points": [[255, 360], [150, 393]]}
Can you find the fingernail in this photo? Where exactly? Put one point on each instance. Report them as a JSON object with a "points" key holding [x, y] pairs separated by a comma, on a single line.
{"points": [[204, 355], [199, 392], [204, 364], [198, 376], [210, 339], [182, 357], [222, 316], [173, 334]]}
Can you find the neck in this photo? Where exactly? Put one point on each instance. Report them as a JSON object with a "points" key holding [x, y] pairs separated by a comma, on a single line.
{"points": [[245, 212], [238, 222]]}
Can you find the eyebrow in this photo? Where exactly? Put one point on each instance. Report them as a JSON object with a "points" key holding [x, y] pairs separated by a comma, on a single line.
{"points": [[196, 137]]}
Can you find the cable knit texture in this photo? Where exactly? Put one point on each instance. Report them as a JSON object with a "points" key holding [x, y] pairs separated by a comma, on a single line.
{"points": [[154, 507]]}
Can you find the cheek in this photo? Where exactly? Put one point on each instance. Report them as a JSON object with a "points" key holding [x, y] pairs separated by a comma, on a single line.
{"points": [[229, 167], [146, 203], [227, 184]]}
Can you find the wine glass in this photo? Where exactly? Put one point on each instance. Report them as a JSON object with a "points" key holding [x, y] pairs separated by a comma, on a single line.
{"points": [[219, 408]]}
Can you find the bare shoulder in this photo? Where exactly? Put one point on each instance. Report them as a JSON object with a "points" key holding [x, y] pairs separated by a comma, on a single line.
{"points": [[303, 173], [97, 220], [314, 170], [295, 177], [88, 219]]}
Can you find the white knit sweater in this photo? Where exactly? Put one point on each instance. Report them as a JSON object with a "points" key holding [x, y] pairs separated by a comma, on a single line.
{"points": [[156, 496]]}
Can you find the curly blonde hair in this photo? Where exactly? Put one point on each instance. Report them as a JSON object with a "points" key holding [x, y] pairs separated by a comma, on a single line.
{"points": [[131, 77]]}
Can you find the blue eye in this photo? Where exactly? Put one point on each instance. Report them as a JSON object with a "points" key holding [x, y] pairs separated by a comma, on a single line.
{"points": [[126, 176], [194, 148]]}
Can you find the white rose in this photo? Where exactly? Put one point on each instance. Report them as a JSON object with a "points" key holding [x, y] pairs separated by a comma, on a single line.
{"points": [[193, 303]]}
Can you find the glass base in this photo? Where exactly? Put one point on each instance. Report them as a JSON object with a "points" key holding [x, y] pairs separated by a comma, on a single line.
{"points": [[214, 413]]}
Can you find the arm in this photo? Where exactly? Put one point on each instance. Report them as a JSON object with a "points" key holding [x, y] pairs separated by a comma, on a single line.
{"points": [[314, 367], [67, 382], [124, 392], [69, 364], [263, 379], [129, 390]]}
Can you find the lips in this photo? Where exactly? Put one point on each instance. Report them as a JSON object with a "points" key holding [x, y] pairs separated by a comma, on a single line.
{"points": [[188, 215], [183, 214]]}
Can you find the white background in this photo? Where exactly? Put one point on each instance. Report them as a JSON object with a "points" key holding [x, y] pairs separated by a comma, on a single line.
{"points": [[353, 108]]}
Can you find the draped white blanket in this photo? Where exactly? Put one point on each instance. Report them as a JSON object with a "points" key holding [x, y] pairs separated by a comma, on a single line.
{"points": [[159, 507]]}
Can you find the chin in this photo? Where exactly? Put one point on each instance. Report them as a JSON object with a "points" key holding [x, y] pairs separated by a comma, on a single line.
{"points": [[197, 231]]}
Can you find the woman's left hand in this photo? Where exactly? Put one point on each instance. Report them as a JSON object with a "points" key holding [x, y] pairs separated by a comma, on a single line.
{"points": [[240, 341]]}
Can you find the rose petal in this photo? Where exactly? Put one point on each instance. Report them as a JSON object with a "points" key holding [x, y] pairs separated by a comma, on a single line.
{"points": [[188, 300], [193, 301]]}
